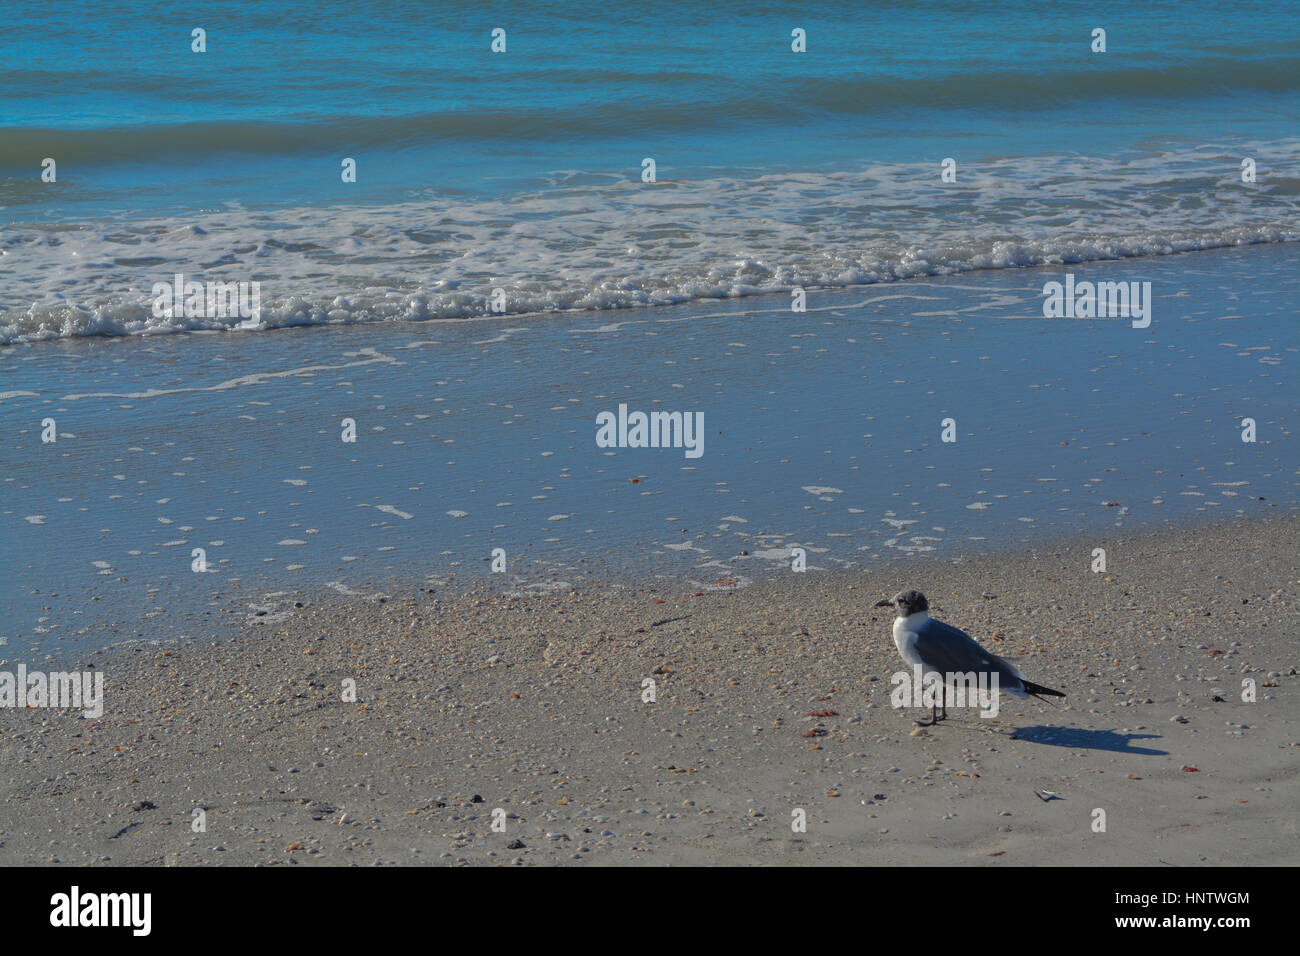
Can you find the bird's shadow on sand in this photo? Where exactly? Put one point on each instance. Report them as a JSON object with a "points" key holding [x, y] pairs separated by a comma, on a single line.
{"points": [[1077, 738]]}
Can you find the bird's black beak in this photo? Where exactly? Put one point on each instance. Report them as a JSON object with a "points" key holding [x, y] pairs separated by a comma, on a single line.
{"points": [[885, 603]]}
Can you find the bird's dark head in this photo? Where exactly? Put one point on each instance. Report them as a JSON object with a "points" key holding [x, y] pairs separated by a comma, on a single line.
{"points": [[906, 602]]}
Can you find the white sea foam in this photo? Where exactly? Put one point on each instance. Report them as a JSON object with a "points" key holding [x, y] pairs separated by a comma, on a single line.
{"points": [[707, 238]]}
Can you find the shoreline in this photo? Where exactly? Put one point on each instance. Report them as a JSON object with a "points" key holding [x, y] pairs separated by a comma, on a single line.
{"points": [[465, 444], [533, 704], [249, 610]]}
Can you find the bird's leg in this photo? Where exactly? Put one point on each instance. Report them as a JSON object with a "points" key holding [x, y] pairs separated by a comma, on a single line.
{"points": [[934, 711], [927, 723]]}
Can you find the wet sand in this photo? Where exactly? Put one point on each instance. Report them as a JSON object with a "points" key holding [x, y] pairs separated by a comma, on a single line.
{"points": [[531, 703]]}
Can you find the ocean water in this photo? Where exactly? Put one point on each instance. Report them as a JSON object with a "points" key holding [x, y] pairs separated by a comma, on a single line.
{"points": [[512, 183], [521, 171]]}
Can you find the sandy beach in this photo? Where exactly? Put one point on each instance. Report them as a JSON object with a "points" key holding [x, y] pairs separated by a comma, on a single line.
{"points": [[769, 699]]}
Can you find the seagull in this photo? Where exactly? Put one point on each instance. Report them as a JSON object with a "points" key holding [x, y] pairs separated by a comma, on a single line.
{"points": [[937, 646]]}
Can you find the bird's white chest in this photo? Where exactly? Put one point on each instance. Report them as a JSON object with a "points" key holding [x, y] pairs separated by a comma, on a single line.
{"points": [[905, 636]]}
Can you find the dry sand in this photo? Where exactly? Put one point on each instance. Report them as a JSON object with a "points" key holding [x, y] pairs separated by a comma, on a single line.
{"points": [[533, 704]]}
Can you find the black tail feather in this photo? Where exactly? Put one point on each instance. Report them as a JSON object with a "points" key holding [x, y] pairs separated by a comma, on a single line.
{"points": [[1038, 690]]}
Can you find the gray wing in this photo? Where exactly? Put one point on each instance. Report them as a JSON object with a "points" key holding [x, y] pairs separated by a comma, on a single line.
{"points": [[946, 649]]}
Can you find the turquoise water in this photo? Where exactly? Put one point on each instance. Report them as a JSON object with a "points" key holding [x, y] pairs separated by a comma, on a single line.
{"points": [[522, 170], [414, 91]]}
